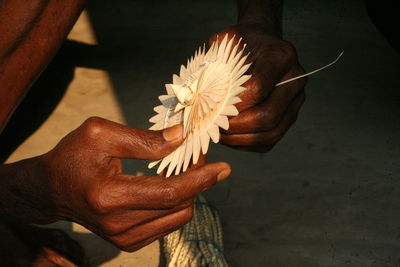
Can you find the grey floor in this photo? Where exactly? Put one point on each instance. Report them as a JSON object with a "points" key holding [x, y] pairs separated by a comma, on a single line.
{"points": [[328, 194]]}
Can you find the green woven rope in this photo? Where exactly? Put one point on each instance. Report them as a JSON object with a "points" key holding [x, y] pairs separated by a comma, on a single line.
{"points": [[198, 243]]}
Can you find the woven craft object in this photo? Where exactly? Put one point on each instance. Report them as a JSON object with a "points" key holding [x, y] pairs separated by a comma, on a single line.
{"points": [[201, 98]]}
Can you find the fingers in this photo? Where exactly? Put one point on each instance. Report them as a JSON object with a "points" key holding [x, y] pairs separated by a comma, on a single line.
{"points": [[263, 141], [142, 235], [125, 142], [154, 192], [270, 59], [179, 188], [134, 211], [268, 114], [193, 182], [270, 65], [124, 219]]}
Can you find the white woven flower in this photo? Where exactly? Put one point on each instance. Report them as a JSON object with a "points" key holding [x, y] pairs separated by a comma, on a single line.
{"points": [[201, 98]]}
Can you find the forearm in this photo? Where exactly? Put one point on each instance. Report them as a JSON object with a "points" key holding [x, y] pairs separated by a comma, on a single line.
{"points": [[24, 193], [266, 13], [30, 34]]}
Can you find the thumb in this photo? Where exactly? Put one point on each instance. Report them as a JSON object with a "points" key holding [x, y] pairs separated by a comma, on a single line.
{"points": [[121, 141], [148, 144]]}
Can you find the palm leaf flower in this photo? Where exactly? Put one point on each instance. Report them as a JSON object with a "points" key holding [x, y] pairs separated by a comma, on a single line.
{"points": [[201, 98]]}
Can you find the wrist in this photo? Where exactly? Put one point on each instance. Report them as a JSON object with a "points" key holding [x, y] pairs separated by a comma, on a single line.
{"points": [[25, 192]]}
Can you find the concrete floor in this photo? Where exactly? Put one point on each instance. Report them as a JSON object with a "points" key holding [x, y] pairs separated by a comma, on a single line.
{"points": [[327, 195]]}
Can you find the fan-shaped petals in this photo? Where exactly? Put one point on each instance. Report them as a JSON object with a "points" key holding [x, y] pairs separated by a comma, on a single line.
{"points": [[201, 97]]}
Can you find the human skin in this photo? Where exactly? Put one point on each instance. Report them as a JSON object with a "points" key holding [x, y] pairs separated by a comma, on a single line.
{"points": [[31, 33], [81, 179], [266, 111]]}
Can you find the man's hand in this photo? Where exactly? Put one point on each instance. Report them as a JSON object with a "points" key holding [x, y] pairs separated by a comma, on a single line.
{"points": [[81, 180], [266, 111]]}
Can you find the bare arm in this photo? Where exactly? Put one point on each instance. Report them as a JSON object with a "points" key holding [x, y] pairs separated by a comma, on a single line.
{"points": [[30, 34]]}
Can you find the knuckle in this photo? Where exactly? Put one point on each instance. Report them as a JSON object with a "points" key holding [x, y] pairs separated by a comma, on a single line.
{"points": [[270, 139], [283, 50], [276, 136], [98, 202], [154, 146], [93, 127], [170, 196], [111, 227], [270, 118], [288, 49]]}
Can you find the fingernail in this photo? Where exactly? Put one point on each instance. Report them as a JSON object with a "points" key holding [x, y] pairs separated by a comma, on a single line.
{"points": [[173, 133], [223, 174]]}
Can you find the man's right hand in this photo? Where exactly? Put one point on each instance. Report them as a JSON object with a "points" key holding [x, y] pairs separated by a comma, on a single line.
{"points": [[81, 180]]}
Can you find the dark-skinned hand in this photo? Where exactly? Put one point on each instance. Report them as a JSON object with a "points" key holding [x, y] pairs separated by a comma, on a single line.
{"points": [[266, 111], [81, 180]]}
